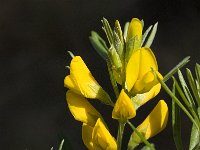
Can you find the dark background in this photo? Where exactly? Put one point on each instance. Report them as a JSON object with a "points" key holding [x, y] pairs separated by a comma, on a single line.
{"points": [[34, 38]]}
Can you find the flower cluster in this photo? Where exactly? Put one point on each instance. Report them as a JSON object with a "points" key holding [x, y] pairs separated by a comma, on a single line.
{"points": [[133, 69]]}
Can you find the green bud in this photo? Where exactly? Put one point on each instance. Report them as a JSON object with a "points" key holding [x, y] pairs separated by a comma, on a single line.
{"points": [[118, 39], [115, 59]]}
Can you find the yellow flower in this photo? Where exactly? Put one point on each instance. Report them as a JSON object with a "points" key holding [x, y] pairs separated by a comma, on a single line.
{"points": [[87, 136], [82, 82], [81, 109], [98, 137], [123, 108], [155, 122], [135, 30], [140, 78]]}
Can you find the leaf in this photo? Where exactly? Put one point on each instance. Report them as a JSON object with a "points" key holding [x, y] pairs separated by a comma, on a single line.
{"points": [[197, 70], [126, 30], [152, 36], [186, 89], [146, 34], [99, 45], [194, 138], [142, 21], [193, 86], [175, 69], [176, 122], [170, 93], [61, 145], [107, 29]]}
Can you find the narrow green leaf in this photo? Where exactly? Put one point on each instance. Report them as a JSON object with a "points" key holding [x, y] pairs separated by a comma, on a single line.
{"points": [[198, 87], [197, 70], [99, 45], [61, 145], [146, 34], [182, 95], [152, 36], [194, 138], [126, 30], [186, 89], [107, 29], [142, 21], [165, 87], [193, 86], [176, 122], [118, 30], [188, 104], [175, 69]]}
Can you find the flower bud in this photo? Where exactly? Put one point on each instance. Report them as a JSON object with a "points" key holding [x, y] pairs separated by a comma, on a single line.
{"points": [[123, 108]]}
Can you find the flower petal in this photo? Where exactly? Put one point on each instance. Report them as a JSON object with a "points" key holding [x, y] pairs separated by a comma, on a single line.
{"points": [[147, 61], [155, 122], [145, 84], [123, 108], [84, 82], [81, 109], [69, 83], [101, 137], [87, 136], [141, 99], [132, 69], [135, 29], [83, 78]]}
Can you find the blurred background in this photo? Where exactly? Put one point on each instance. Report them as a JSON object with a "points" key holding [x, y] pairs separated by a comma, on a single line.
{"points": [[34, 38]]}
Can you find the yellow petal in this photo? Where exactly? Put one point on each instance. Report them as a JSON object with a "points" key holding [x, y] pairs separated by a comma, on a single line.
{"points": [[147, 61], [81, 109], [132, 69], [83, 78], [145, 84], [84, 82], [69, 83], [87, 136], [135, 29], [102, 139], [141, 99], [155, 122], [123, 108]]}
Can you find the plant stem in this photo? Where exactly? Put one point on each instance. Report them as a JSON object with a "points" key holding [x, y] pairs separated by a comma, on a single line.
{"points": [[140, 135], [120, 135]]}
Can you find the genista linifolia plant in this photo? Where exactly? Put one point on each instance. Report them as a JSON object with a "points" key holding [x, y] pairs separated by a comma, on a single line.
{"points": [[135, 79]]}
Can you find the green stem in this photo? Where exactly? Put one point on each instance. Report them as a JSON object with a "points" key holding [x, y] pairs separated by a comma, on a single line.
{"points": [[120, 135], [140, 136]]}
